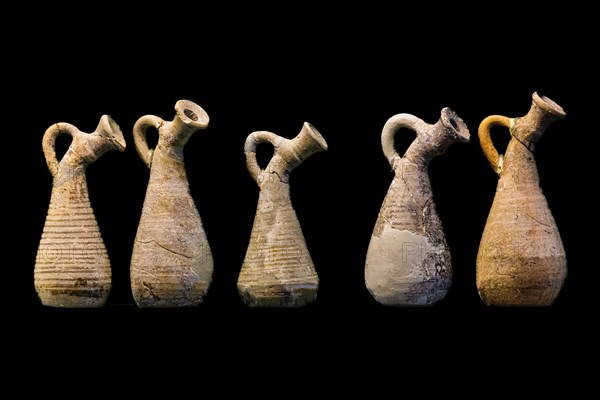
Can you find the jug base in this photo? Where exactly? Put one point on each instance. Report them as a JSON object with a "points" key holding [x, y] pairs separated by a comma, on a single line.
{"points": [[279, 295], [414, 294], [508, 291], [74, 298]]}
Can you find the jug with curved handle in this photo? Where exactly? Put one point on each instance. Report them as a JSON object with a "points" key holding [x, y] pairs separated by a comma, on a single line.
{"points": [[172, 262], [72, 267], [521, 261], [408, 261], [278, 270]]}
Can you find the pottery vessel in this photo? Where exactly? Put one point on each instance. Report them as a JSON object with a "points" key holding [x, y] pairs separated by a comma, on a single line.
{"points": [[278, 270], [72, 267], [521, 260], [172, 262], [408, 261]]}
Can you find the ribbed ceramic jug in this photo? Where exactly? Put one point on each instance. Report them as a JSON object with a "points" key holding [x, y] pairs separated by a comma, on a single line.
{"points": [[172, 263], [408, 261], [521, 260], [278, 270], [72, 267]]}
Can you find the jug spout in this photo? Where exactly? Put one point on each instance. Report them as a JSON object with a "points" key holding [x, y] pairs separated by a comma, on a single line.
{"points": [[111, 136], [189, 117], [173, 135], [85, 148], [107, 137], [288, 153], [434, 140], [308, 142], [530, 128]]}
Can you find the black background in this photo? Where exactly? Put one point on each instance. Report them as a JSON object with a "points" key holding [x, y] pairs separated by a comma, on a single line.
{"points": [[346, 78]]}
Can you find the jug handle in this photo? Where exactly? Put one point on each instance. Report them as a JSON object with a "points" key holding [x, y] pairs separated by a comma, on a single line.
{"points": [[392, 125], [139, 136], [485, 139], [250, 150], [49, 143]]}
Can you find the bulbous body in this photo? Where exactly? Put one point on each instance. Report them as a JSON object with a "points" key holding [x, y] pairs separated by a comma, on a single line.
{"points": [[278, 270], [72, 267], [408, 261], [521, 260], [172, 262]]}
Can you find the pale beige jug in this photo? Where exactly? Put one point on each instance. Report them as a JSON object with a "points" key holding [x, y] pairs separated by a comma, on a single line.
{"points": [[408, 261], [278, 270], [72, 267], [171, 263], [521, 261]]}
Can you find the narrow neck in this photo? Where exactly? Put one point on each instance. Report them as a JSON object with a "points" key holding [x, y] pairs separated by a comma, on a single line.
{"points": [[85, 149], [279, 168], [431, 141], [308, 142], [173, 136], [409, 170], [519, 169], [71, 169], [434, 140], [530, 128], [274, 185]]}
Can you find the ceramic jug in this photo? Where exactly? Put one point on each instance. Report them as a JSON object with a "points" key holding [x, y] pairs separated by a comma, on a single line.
{"points": [[408, 261], [72, 267], [278, 270], [171, 263], [521, 260]]}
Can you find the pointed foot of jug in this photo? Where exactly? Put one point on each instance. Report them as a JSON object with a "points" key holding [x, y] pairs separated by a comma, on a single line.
{"points": [[153, 295], [509, 291], [279, 296], [414, 294], [73, 298]]}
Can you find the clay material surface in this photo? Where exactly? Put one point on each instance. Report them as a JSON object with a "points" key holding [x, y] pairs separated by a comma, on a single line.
{"points": [[72, 267], [408, 261], [278, 270], [521, 260], [172, 263]]}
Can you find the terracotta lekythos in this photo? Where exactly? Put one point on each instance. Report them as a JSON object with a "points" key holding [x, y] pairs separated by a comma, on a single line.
{"points": [[72, 267], [171, 263], [521, 260], [408, 261], [277, 270]]}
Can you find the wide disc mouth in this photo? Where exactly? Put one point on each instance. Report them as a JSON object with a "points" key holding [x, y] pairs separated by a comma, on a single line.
{"points": [[455, 125], [191, 113], [548, 105], [316, 135], [111, 130]]}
